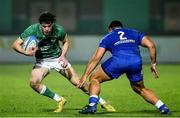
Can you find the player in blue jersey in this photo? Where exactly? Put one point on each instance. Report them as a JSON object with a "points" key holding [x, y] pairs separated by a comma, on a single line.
{"points": [[123, 44]]}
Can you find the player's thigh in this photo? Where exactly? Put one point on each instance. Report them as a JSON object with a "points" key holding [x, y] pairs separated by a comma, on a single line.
{"points": [[100, 75], [38, 73], [70, 74]]}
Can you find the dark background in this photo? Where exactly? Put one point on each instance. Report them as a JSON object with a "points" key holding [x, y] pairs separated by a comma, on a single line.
{"points": [[156, 17]]}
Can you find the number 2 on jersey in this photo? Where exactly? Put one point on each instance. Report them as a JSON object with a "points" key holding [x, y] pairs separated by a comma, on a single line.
{"points": [[121, 35]]}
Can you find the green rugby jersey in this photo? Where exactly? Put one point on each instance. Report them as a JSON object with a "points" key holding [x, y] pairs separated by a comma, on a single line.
{"points": [[48, 46]]}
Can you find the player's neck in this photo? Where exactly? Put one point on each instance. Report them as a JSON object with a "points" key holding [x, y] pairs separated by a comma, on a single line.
{"points": [[117, 28]]}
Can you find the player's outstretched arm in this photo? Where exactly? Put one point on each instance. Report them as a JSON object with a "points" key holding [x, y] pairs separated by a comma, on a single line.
{"points": [[148, 43], [92, 65], [65, 48]]}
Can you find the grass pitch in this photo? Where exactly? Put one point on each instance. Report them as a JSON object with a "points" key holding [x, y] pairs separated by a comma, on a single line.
{"points": [[18, 99]]}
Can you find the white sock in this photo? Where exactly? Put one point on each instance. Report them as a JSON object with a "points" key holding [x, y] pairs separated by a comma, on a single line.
{"points": [[101, 101], [57, 97], [159, 103], [95, 96], [43, 89], [92, 104]]}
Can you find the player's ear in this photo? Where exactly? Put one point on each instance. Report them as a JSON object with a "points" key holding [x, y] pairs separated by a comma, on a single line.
{"points": [[109, 29]]}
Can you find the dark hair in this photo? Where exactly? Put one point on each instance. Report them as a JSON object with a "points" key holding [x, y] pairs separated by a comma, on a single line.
{"points": [[115, 24], [47, 17]]}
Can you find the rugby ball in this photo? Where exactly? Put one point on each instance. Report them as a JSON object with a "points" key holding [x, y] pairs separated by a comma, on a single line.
{"points": [[30, 42]]}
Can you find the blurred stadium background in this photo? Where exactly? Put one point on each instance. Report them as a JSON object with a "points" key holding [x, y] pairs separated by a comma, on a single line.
{"points": [[86, 22]]}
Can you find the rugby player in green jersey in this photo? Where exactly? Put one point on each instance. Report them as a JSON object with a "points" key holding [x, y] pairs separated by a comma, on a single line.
{"points": [[50, 55]]}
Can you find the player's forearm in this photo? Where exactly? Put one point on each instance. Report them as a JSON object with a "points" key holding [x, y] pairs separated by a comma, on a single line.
{"points": [[148, 43], [94, 60], [65, 48], [91, 66], [152, 53], [18, 48]]}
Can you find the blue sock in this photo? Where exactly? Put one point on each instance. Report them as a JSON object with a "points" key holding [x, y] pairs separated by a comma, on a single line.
{"points": [[162, 107], [164, 110], [93, 100]]}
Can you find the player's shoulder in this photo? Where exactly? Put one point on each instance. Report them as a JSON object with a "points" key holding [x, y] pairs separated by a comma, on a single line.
{"points": [[136, 31], [58, 28], [31, 30], [58, 31], [107, 36], [34, 26], [129, 30]]}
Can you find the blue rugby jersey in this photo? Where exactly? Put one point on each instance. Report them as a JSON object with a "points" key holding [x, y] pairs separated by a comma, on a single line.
{"points": [[123, 42]]}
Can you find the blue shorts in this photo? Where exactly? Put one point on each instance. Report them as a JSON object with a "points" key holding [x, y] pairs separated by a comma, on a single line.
{"points": [[115, 67]]}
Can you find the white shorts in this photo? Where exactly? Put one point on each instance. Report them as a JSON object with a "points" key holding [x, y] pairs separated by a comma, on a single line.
{"points": [[51, 64]]}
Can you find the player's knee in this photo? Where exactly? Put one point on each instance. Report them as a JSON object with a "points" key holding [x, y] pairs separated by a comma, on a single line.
{"points": [[137, 89], [94, 80], [34, 84], [93, 77]]}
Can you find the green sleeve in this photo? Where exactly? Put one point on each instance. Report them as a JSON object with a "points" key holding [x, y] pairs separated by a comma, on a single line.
{"points": [[61, 33], [27, 32]]}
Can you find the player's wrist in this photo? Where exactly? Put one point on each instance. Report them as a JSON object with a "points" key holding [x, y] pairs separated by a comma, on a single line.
{"points": [[24, 52], [154, 64]]}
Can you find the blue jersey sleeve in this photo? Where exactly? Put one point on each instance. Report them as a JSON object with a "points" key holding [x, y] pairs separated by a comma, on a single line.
{"points": [[103, 42], [140, 37]]}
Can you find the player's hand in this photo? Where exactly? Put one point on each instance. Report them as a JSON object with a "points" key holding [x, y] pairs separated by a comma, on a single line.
{"points": [[63, 61], [81, 81], [31, 51], [154, 71]]}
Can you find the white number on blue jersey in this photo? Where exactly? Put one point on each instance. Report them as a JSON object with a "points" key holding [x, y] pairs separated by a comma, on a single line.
{"points": [[121, 35]]}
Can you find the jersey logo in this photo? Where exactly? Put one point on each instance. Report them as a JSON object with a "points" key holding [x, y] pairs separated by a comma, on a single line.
{"points": [[53, 40]]}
